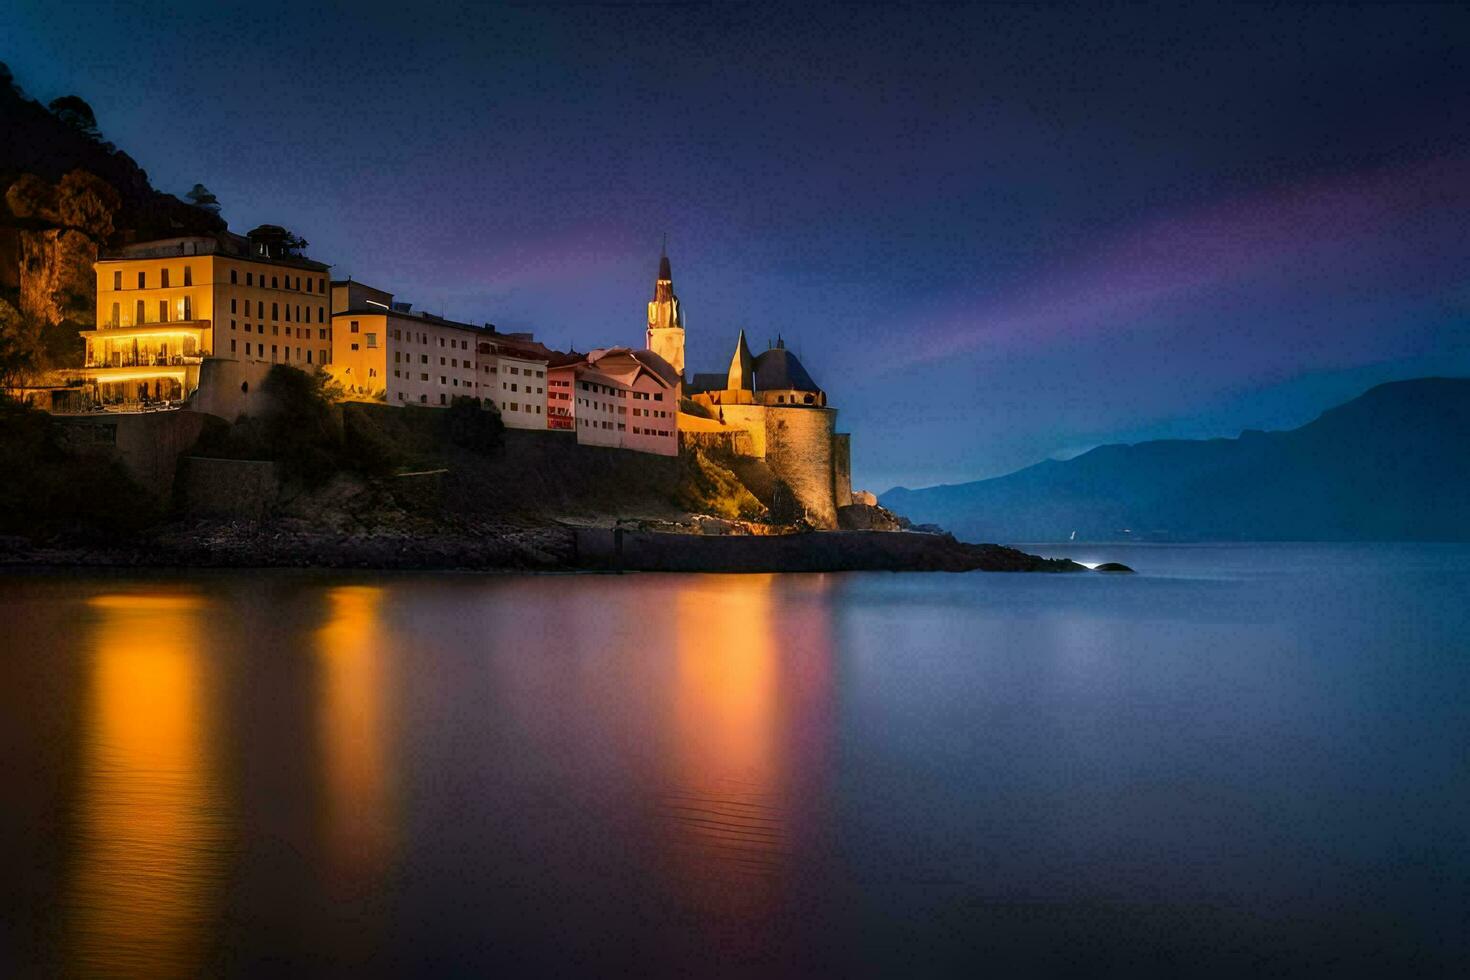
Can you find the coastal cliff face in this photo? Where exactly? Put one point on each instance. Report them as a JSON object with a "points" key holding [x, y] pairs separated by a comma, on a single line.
{"points": [[68, 194]]}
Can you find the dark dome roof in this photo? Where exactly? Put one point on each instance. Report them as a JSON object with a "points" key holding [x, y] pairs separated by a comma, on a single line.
{"points": [[778, 370]]}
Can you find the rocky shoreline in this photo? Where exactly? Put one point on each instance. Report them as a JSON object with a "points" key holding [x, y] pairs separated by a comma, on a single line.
{"points": [[476, 546]]}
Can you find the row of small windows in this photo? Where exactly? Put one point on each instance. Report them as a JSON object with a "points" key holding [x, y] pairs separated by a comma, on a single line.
{"points": [[302, 333], [163, 280], [321, 284], [609, 407], [599, 389], [323, 356], [117, 278], [321, 312]]}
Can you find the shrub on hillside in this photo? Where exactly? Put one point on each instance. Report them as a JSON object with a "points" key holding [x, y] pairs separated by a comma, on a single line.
{"points": [[300, 428], [372, 447], [705, 487], [469, 426]]}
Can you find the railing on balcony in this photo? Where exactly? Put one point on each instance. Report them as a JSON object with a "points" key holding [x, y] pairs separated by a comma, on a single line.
{"points": [[150, 360]]}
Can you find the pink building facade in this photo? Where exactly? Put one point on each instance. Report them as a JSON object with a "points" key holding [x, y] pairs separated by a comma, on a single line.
{"points": [[618, 398]]}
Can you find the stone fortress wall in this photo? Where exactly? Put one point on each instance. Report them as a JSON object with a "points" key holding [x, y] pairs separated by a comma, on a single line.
{"points": [[799, 442]]}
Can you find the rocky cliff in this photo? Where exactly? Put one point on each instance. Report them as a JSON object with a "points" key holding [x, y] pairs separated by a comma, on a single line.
{"points": [[67, 194]]}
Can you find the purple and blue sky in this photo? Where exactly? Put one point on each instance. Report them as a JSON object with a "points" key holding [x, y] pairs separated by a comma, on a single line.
{"points": [[995, 234]]}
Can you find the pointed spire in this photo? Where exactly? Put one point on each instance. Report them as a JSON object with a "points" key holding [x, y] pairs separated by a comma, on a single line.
{"points": [[742, 368]]}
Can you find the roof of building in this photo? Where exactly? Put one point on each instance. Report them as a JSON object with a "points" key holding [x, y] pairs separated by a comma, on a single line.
{"points": [[222, 243], [658, 366], [778, 369], [708, 381], [624, 365]]}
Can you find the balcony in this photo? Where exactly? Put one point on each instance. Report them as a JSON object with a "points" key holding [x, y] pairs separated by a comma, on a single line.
{"points": [[150, 360]]}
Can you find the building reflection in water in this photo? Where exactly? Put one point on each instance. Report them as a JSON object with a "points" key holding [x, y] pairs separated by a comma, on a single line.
{"points": [[152, 830], [751, 718], [353, 648]]}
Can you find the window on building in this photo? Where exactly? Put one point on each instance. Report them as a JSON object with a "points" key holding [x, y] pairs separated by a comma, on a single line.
{"points": [[308, 284], [352, 327], [442, 379], [260, 309], [163, 278], [188, 275], [275, 311], [188, 307], [423, 399], [232, 345], [321, 285], [116, 320], [354, 347], [117, 280], [274, 284], [372, 340], [163, 311], [142, 280], [308, 355]]}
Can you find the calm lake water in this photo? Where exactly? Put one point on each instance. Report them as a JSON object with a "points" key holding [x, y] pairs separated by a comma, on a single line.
{"points": [[1242, 760]]}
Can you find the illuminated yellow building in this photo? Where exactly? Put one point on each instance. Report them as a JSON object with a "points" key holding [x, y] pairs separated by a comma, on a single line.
{"points": [[164, 306]]}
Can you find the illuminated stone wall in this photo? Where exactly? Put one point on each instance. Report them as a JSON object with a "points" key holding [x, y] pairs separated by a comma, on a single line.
{"points": [[842, 468], [799, 452]]}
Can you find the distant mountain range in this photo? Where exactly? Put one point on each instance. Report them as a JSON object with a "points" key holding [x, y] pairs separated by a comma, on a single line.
{"points": [[1392, 464]]}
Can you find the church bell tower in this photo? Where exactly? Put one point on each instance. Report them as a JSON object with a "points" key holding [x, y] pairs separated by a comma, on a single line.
{"points": [[666, 319]]}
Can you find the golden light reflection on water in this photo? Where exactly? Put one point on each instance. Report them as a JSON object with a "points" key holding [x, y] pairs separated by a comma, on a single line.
{"points": [[353, 648], [730, 770], [145, 890]]}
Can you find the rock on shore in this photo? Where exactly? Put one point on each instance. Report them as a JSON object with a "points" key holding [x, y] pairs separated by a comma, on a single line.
{"points": [[504, 547]]}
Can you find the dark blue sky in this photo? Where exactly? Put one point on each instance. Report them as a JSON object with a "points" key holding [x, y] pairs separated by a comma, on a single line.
{"points": [[994, 234]]}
